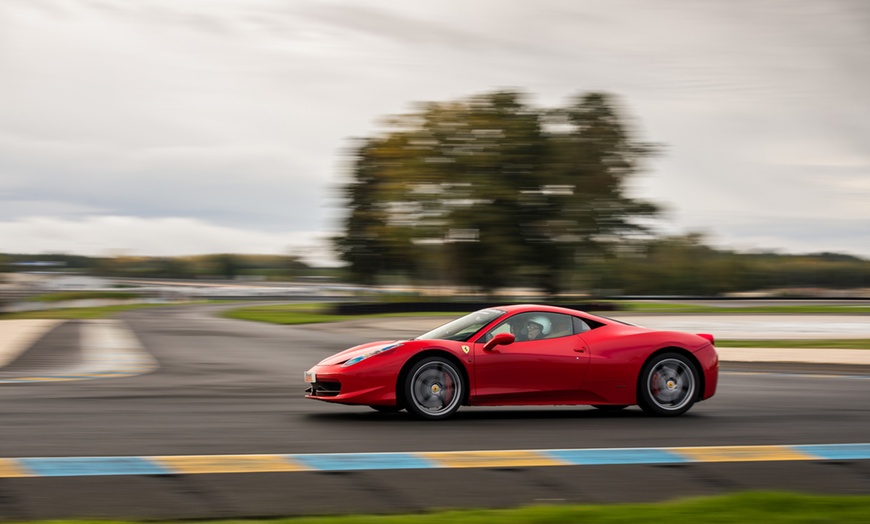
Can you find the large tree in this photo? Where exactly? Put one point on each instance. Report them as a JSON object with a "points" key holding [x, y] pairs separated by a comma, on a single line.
{"points": [[492, 192]]}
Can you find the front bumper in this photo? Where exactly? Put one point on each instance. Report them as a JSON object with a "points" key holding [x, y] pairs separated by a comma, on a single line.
{"points": [[366, 385]]}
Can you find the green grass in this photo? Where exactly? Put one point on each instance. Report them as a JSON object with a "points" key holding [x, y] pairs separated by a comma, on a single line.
{"points": [[770, 508], [850, 343], [663, 307], [312, 313], [76, 313], [275, 316], [83, 295]]}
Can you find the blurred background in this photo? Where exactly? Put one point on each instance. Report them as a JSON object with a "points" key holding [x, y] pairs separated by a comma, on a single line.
{"points": [[550, 148]]}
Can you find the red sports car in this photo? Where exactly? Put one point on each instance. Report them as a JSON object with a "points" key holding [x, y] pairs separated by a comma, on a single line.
{"points": [[523, 355]]}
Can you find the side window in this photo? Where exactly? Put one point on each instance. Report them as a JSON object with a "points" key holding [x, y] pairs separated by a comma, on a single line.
{"points": [[504, 327], [516, 325], [579, 325], [582, 325], [534, 326], [561, 326]]}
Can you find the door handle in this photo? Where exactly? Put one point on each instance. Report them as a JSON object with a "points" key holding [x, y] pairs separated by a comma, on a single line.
{"points": [[580, 350]]}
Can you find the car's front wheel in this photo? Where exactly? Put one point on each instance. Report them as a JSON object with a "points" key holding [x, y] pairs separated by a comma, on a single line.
{"points": [[433, 388], [668, 385]]}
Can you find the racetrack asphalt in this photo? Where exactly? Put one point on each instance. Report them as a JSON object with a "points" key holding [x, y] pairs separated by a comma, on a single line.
{"points": [[227, 391]]}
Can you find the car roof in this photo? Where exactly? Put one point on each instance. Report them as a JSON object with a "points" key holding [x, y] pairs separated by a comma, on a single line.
{"points": [[519, 308]]}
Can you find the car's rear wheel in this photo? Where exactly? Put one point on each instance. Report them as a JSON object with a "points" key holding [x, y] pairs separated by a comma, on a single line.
{"points": [[668, 385], [433, 388]]}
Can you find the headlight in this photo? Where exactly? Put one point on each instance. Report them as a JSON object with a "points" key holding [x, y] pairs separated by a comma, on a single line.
{"points": [[360, 358]]}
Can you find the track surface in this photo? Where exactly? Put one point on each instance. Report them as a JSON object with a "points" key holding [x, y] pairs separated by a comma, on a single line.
{"points": [[232, 387]]}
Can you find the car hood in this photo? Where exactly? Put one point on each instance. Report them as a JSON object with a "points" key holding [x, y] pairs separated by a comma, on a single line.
{"points": [[356, 351]]}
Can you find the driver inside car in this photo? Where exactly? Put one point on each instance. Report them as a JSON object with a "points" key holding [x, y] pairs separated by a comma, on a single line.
{"points": [[538, 327]]}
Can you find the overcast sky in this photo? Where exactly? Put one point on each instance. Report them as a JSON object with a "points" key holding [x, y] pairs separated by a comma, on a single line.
{"points": [[201, 126]]}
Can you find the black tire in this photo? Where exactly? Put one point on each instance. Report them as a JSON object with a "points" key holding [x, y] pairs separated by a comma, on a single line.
{"points": [[668, 385], [433, 388], [387, 409], [610, 407]]}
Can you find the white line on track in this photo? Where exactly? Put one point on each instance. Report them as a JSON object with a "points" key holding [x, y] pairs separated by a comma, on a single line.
{"points": [[109, 349]]}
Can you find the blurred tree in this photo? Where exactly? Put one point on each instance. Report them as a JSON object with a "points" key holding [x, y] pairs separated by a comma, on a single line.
{"points": [[375, 240], [586, 211], [293, 266], [504, 189], [170, 267], [225, 265]]}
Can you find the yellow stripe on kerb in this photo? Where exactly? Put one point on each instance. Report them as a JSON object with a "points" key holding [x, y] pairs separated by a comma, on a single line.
{"points": [[741, 453], [228, 464], [9, 468], [489, 459]]}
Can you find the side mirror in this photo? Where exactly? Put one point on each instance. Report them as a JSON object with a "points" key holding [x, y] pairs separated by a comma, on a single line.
{"points": [[502, 339]]}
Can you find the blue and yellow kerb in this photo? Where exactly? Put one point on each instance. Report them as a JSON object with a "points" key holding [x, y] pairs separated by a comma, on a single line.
{"points": [[203, 464]]}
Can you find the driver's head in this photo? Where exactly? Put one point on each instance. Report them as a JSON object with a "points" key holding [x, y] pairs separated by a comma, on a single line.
{"points": [[538, 324]]}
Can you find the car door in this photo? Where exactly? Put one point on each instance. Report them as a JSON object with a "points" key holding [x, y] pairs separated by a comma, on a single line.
{"points": [[545, 371]]}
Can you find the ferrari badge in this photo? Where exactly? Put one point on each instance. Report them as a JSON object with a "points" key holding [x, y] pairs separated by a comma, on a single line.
{"points": [[466, 349]]}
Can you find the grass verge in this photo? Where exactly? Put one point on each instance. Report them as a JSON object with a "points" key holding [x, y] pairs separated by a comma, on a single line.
{"points": [[770, 508], [76, 313], [84, 295], [312, 313]]}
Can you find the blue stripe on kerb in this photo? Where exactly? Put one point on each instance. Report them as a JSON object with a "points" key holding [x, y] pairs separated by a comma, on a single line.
{"points": [[581, 457], [361, 461], [837, 451], [90, 466]]}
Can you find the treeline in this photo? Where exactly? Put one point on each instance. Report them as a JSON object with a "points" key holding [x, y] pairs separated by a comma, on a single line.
{"points": [[682, 265], [224, 266], [678, 265]]}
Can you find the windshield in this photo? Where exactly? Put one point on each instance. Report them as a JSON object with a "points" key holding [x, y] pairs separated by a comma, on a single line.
{"points": [[463, 328]]}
